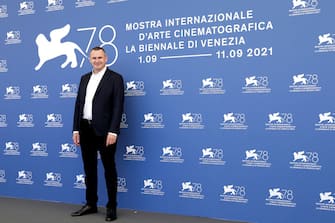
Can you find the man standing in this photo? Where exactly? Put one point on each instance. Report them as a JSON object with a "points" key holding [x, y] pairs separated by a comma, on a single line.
{"points": [[96, 125]]}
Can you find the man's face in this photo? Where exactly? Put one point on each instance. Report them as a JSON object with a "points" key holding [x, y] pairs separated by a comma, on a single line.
{"points": [[98, 59]]}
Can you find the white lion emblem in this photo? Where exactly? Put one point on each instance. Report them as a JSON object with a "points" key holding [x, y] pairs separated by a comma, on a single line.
{"points": [[207, 83], [275, 193], [167, 84], [207, 152], [130, 149], [187, 117], [149, 117], [299, 3], [187, 186], [275, 117], [167, 151], [251, 154], [80, 178], [299, 79], [148, 183], [327, 196], [229, 117], [52, 2], [229, 189], [131, 85], [326, 117], [10, 90], [251, 80], [66, 88], [48, 50], [326, 38]]}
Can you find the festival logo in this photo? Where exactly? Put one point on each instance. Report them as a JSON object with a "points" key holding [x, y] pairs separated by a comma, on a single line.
{"points": [[134, 152], [3, 11], [281, 121], [54, 5], [172, 87], [305, 160], [135, 88], [325, 43], [68, 150], [39, 92], [54, 121], [152, 187], [305, 83], [153, 121], [326, 201], [26, 8], [79, 182], [234, 121], [3, 121], [13, 37], [191, 121], [172, 154], [68, 91], [122, 185], [12, 149], [210, 156], [53, 179], [24, 177], [25, 121], [123, 123], [326, 122], [12, 93], [39, 149], [234, 193], [191, 190], [212, 86], [3, 66], [3, 176], [280, 197], [256, 158], [256, 85], [304, 7]]}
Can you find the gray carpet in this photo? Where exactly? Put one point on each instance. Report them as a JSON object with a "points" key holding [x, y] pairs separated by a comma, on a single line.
{"points": [[30, 211]]}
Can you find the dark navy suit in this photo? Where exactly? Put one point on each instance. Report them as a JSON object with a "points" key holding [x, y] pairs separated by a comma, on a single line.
{"points": [[107, 108]]}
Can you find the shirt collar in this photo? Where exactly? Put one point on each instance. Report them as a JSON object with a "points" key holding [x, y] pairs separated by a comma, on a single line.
{"points": [[101, 72]]}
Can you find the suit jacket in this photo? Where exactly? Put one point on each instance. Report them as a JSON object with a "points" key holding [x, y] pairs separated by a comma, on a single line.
{"points": [[107, 105]]}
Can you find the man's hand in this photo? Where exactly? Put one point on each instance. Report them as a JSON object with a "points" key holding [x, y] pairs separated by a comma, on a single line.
{"points": [[111, 139], [75, 138]]}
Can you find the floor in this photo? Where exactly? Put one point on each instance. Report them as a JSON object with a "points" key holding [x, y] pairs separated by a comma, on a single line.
{"points": [[14, 210]]}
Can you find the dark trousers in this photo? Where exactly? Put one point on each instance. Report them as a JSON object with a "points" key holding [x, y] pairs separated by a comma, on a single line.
{"points": [[90, 144]]}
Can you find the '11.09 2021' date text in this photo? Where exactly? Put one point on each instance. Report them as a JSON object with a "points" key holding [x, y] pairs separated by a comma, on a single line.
{"points": [[249, 52]]}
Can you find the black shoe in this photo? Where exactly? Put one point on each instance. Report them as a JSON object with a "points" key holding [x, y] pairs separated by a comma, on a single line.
{"points": [[111, 214], [85, 210]]}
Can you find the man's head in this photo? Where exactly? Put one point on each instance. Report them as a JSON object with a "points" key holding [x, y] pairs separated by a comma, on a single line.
{"points": [[98, 58]]}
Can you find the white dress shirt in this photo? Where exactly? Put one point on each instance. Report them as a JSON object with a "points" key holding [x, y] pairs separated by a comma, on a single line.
{"points": [[90, 91]]}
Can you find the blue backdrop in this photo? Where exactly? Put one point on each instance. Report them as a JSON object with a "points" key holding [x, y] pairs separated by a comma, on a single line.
{"points": [[228, 110]]}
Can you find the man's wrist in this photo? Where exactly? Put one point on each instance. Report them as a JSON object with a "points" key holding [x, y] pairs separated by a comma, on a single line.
{"points": [[112, 133]]}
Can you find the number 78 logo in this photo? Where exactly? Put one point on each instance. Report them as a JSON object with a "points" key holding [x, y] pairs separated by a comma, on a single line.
{"points": [[49, 50]]}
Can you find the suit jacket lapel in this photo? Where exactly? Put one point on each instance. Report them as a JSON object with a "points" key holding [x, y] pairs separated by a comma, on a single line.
{"points": [[102, 81], [84, 85]]}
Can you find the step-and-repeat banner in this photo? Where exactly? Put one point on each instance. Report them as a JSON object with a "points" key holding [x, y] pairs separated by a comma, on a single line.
{"points": [[229, 109]]}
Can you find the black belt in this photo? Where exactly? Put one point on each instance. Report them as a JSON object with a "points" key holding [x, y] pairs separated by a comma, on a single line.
{"points": [[87, 121]]}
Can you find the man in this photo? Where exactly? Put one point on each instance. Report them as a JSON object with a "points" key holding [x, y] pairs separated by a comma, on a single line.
{"points": [[96, 126]]}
